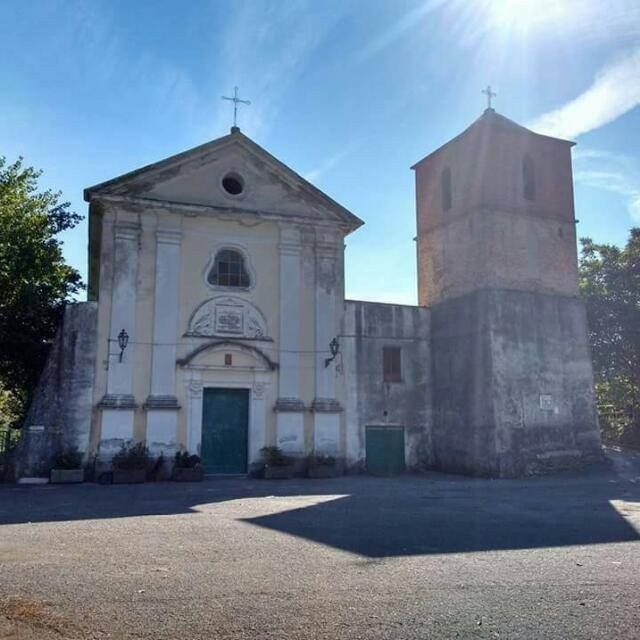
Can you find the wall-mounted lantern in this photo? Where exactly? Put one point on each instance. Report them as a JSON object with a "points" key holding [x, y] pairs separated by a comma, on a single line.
{"points": [[123, 340], [334, 349]]}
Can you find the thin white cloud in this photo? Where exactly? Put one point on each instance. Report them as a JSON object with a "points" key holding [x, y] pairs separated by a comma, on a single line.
{"points": [[614, 91], [331, 162], [398, 29], [615, 173]]}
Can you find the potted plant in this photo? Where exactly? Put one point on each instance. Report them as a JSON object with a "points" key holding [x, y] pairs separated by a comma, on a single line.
{"points": [[322, 466], [67, 467], [277, 465], [187, 467], [130, 464], [37, 474]]}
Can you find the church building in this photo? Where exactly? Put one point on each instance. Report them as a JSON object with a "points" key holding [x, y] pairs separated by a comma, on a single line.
{"points": [[216, 320]]}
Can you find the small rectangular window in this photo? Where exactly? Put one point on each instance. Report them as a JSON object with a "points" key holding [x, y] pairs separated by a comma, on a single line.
{"points": [[392, 364]]}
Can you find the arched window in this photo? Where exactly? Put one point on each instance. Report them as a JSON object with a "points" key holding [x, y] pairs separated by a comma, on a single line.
{"points": [[229, 270], [528, 178], [445, 186]]}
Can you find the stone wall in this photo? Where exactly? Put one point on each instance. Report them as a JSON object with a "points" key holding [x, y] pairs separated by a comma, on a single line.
{"points": [[513, 384], [367, 328], [60, 414]]}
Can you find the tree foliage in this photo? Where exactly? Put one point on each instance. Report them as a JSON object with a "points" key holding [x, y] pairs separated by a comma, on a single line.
{"points": [[35, 281], [610, 284]]}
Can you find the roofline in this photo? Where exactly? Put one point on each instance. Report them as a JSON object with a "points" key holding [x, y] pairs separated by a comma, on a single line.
{"points": [[571, 143], [389, 304], [353, 221], [87, 192], [321, 194]]}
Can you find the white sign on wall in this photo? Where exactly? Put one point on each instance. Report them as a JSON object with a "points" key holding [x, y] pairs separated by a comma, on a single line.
{"points": [[546, 402]]}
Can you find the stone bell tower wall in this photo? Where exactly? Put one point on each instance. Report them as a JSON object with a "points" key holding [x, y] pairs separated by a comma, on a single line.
{"points": [[497, 268], [492, 235]]}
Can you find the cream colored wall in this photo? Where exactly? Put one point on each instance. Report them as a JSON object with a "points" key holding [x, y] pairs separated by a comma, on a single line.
{"points": [[202, 236], [202, 233]]}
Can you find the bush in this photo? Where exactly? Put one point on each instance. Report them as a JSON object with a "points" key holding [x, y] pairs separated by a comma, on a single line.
{"points": [[68, 459], [131, 457], [184, 460], [275, 457]]}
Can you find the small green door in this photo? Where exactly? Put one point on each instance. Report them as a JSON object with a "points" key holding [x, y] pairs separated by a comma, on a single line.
{"points": [[385, 450], [225, 421]]}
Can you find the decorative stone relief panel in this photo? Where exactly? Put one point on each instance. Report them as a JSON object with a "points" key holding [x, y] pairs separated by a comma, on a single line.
{"points": [[228, 316]]}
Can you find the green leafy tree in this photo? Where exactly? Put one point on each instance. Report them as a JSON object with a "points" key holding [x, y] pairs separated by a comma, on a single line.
{"points": [[35, 281], [610, 284]]}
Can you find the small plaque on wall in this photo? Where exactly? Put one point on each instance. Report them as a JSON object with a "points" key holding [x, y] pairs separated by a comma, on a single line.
{"points": [[546, 402]]}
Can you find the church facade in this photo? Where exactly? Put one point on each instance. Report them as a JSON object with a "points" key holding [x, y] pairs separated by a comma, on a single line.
{"points": [[216, 320]]}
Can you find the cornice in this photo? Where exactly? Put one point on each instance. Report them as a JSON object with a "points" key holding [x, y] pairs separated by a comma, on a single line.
{"points": [[236, 212]]}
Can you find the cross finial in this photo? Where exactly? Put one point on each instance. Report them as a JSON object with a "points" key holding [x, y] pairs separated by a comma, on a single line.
{"points": [[236, 101], [490, 94]]}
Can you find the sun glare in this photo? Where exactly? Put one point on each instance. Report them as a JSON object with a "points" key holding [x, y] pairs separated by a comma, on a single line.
{"points": [[526, 15]]}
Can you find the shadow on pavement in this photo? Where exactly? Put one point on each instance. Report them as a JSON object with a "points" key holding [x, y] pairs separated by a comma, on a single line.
{"points": [[375, 517]]}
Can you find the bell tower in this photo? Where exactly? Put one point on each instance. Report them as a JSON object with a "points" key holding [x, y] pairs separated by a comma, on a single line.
{"points": [[497, 265]]}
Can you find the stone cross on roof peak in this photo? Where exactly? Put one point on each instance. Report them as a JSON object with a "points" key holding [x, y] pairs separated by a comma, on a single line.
{"points": [[490, 94]]}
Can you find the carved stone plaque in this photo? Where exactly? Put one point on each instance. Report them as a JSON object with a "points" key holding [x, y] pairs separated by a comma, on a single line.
{"points": [[229, 319], [228, 316]]}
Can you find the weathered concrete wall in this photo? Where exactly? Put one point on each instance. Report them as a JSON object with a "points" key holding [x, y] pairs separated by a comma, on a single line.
{"points": [[367, 328], [513, 390], [60, 414]]}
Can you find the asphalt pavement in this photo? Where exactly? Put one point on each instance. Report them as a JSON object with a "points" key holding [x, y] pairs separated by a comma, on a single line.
{"points": [[416, 556]]}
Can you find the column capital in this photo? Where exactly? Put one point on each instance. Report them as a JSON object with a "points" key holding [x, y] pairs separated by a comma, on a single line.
{"points": [[195, 388], [126, 230], [289, 240], [168, 236]]}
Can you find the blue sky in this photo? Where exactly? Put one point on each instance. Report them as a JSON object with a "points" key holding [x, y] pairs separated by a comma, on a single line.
{"points": [[349, 94]]}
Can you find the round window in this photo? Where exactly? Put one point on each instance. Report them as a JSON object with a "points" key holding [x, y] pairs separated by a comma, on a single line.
{"points": [[233, 184]]}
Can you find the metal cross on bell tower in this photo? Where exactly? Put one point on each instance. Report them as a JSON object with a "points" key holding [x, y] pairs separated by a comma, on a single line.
{"points": [[236, 101], [490, 94]]}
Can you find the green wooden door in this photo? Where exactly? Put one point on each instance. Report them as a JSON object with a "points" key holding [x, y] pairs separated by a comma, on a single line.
{"points": [[385, 450], [225, 421]]}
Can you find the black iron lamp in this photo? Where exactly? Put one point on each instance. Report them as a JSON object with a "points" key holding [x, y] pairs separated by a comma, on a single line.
{"points": [[334, 349], [123, 340]]}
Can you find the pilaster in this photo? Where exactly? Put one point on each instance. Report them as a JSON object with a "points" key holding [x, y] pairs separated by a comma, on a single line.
{"points": [[161, 405], [194, 394], [118, 403], [289, 406], [326, 408]]}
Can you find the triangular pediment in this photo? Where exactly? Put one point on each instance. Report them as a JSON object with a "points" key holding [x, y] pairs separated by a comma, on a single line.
{"points": [[197, 177]]}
